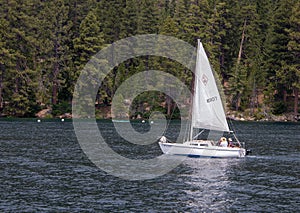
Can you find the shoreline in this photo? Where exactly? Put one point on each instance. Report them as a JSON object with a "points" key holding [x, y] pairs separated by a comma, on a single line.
{"points": [[280, 118], [105, 114]]}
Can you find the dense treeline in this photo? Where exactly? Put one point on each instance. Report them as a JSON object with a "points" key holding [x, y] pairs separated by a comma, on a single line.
{"points": [[253, 45]]}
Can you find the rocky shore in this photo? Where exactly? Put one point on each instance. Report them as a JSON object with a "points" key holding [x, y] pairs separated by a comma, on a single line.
{"points": [[233, 115], [286, 117]]}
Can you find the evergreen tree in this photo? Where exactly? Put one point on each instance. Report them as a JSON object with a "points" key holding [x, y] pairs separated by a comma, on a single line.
{"points": [[90, 39], [246, 71], [196, 22], [276, 49], [129, 23], [180, 14], [147, 17], [110, 16], [89, 42], [18, 67], [168, 9], [169, 28], [218, 26], [5, 58], [57, 44], [253, 46], [78, 10], [293, 74]]}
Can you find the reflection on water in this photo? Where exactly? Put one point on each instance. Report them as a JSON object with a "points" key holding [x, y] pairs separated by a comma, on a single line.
{"points": [[208, 183], [42, 168]]}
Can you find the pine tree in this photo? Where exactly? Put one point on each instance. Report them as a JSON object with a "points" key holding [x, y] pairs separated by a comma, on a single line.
{"points": [[239, 82], [89, 42], [90, 39], [168, 9], [129, 23], [78, 10], [276, 50], [293, 73], [110, 16], [253, 46], [180, 14], [57, 45], [147, 17], [218, 26], [169, 28], [18, 68], [196, 22], [5, 58]]}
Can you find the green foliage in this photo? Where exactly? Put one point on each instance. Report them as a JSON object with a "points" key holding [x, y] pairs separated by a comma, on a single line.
{"points": [[147, 18], [44, 45], [279, 108], [294, 47], [61, 108]]}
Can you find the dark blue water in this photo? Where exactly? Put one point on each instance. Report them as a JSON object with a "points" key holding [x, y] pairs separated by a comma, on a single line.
{"points": [[42, 168]]}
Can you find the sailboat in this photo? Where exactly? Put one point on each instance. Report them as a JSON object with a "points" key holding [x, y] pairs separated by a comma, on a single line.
{"points": [[207, 113]]}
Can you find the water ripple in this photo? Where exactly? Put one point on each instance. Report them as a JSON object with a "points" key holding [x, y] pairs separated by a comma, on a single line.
{"points": [[43, 169]]}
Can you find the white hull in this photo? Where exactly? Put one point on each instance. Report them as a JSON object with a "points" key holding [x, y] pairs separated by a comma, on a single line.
{"points": [[201, 149]]}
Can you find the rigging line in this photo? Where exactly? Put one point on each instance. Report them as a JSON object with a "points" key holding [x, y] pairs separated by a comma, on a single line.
{"points": [[168, 124], [187, 132], [231, 125], [192, 65], [199, 134], [233, 132], [169, 121]]}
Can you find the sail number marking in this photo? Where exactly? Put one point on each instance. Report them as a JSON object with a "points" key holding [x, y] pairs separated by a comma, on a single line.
{"points": [[212, 99]]}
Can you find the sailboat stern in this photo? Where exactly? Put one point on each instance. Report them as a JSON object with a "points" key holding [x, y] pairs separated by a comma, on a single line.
{"points": [[164, 148]]}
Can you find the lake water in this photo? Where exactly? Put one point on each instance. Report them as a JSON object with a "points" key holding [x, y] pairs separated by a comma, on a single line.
{"points": [[42, 168]]}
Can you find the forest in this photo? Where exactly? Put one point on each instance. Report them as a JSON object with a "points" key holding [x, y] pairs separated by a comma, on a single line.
{"points": [[253, 46]]}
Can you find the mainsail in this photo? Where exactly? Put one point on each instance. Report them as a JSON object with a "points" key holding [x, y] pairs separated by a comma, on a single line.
{"points": [[207, 110]]}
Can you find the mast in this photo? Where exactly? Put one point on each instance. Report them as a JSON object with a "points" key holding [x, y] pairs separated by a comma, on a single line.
{"points": [[193, 90]]}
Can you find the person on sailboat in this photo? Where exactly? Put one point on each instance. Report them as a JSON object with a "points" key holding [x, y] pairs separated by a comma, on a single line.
{"points": [[230, 143], [163, 139], [223, 142]]}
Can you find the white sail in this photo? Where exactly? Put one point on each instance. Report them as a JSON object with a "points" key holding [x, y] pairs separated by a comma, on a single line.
{"points": [[207, 110], [207, 113]]}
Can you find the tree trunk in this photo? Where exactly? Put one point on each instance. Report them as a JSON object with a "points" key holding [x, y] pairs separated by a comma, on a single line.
{"points": [[238, 101], [238, 95], [253, 98], [55, 85], [1, 87], [284, 96], [241, 45], [54, 94], [55, 72], [296, 99], [169, 105]]}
